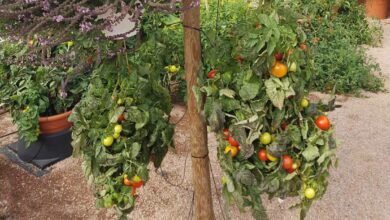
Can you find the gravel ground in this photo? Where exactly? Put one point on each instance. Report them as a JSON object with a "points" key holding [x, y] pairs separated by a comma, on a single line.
{"points": [[358, 188]]}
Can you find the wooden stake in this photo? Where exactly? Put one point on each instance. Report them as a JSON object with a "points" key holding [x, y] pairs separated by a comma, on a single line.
{"points": [[199, 150]]}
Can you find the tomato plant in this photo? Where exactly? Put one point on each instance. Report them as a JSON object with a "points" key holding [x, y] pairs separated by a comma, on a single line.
{"points": [[267, 115]]}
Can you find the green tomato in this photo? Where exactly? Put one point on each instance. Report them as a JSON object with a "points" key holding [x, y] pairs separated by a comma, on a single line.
{"points": [[108, 202], [227, 77], [310, 193], [293, 67], [265, 138], [304, 103], [108, 141], [118, 129], [120, 102], [125, 200], [116, 135], [173, 69]]}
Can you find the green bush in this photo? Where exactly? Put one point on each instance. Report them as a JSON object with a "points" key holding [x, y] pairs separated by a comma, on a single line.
{"points": [[336, 32]]}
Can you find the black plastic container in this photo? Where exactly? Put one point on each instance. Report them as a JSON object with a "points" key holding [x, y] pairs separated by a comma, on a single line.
{"points": [[48, 150]]}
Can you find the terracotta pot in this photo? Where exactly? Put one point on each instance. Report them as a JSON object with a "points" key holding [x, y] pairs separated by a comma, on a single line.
{"points": [[55, 123], [377, 8]]}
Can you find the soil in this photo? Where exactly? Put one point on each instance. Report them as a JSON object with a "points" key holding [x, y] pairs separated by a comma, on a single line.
{"points": [[358, 189]]}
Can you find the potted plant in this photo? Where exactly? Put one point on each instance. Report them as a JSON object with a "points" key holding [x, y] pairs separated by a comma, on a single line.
{"points": [[40, 99], [377, 8]]}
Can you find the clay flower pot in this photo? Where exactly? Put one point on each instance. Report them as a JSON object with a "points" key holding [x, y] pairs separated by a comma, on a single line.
{"points": [[55, 123], [377, 8]]}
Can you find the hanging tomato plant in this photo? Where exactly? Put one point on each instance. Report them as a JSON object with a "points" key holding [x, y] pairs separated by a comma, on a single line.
{"points": [[121, 125], [286, 144]]}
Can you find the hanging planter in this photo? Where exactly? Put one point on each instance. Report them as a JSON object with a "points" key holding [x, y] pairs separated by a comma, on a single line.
{"points": [[55, 123], [377, 8], [53, 144]]}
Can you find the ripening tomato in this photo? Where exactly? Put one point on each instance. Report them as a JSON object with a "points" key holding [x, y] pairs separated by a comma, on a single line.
{"points": [[287, 162], [323, 123], [279, 70], [226, 133], [232, 141], [126, 181], [257, 25], [137, 182], [279, 56], [232, 150], [271, 158], [262, 155], [211, 74]]}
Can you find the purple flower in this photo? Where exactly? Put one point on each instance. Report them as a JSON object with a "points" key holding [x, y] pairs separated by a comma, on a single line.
{"points": [[83, 10], [85, 26], [58, 18], [46, 5]]}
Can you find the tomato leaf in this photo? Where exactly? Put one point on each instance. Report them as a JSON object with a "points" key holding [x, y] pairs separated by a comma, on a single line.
{"points": [[311, 152]]}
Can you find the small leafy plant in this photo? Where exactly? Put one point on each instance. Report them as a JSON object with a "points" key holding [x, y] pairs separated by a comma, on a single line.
{"points": [[33, 92]]}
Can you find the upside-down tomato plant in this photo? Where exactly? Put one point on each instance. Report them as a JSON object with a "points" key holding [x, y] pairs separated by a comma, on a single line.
{"points": [[117, 140], [264, 109]]}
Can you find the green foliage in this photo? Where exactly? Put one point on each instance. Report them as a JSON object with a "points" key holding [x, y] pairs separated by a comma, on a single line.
{"points": [[31, 92], [146, 133], [336, 32]]}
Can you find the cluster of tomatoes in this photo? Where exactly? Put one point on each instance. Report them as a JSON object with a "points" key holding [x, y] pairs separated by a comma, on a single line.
{"points": [[135, 183], [234, 147], [279, 69], [108, 141]]}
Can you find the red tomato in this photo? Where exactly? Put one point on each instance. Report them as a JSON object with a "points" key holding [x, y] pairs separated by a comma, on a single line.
{"points": [[287, 162], [279, 56], [284, 125], [290, 170], [121, 118], [233, 142], [226, 133], [239, 59], [323, 123], [212, 74], [262, 155], [138, 184]]}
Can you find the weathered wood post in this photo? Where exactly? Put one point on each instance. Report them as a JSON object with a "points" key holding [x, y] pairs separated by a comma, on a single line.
{"points": [[199, 150]]}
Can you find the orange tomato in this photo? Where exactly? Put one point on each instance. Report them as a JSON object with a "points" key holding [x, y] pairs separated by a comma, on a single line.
{"points": [[279, 70], [232, 150], [126, 181], [303, 46]]}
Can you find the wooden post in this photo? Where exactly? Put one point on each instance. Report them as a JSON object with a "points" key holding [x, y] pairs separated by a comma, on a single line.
{"points": [[199, 149]]}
